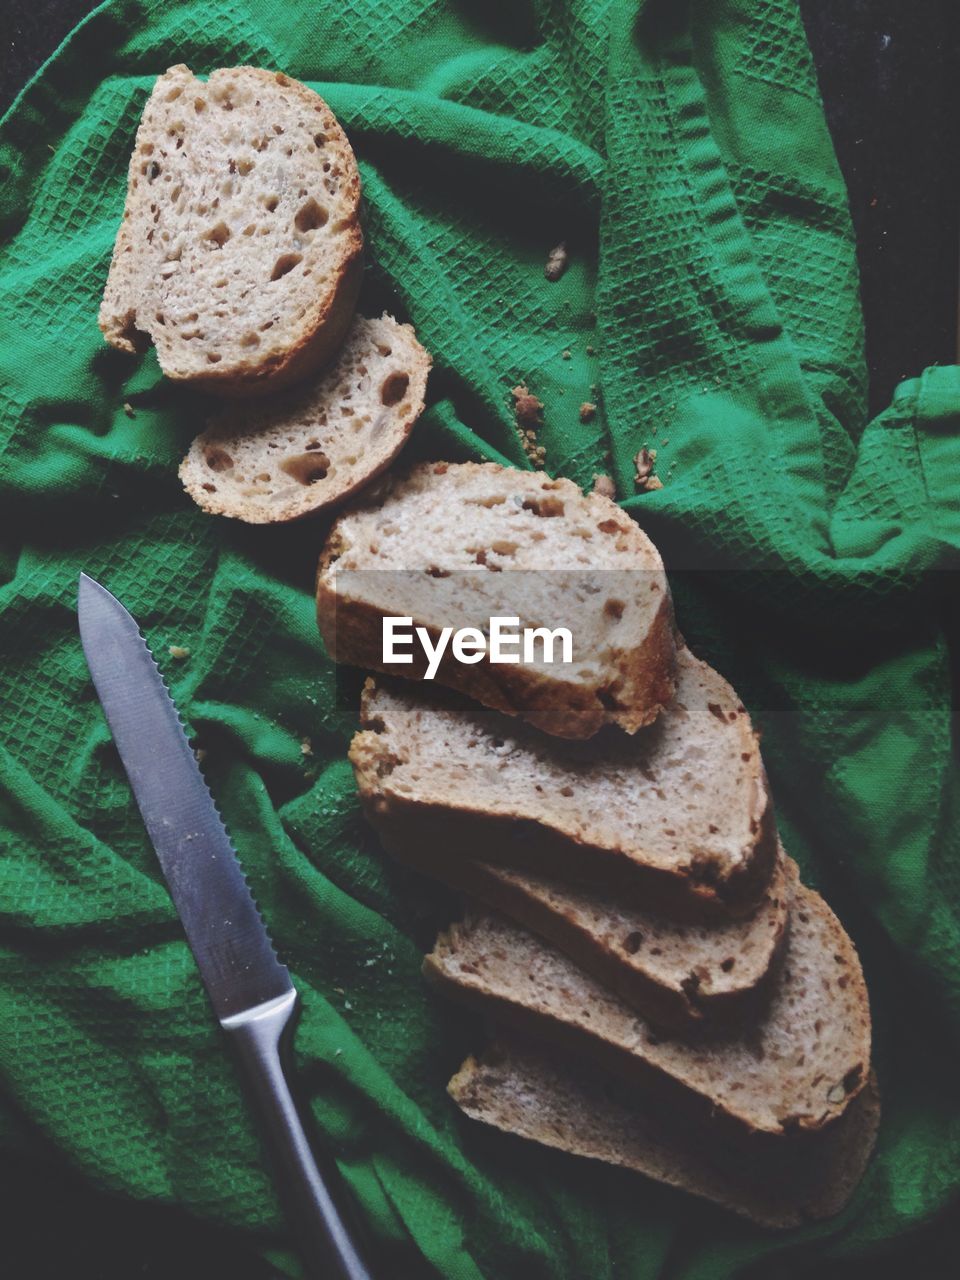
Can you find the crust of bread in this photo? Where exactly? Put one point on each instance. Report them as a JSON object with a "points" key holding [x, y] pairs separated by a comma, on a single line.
{"points": [[329, 312]]}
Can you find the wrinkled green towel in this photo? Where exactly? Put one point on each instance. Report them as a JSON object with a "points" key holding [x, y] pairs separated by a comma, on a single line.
{"points": [[710, 310]]}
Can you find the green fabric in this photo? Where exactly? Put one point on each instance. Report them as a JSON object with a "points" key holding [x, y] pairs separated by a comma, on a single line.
{"points": [[711, 310]]}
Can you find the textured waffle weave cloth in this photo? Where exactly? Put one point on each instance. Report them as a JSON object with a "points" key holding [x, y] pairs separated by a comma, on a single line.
{"points": [[710, 311]]}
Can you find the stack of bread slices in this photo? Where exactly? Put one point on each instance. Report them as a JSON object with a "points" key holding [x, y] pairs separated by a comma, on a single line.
{"points": [[667, 995]]}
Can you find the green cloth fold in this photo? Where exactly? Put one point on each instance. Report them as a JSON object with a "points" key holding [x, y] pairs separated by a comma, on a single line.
{"points": [[711, 311]]}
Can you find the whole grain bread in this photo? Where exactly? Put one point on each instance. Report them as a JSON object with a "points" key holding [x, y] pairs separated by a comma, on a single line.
{"points": [[312, 447], [526, 1091], [239, 251], [676, 974], [678, 817], [795, 1067], [459, 544]]}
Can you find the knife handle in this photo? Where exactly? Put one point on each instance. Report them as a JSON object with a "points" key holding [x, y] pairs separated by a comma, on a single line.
{"points": [[329, 1246]]}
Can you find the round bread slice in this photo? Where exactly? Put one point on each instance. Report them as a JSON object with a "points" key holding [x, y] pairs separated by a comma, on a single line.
{"points": [[794, 1067], [458, 545], [239, 251], [678, 818], [522, 1089], [309, 449]]}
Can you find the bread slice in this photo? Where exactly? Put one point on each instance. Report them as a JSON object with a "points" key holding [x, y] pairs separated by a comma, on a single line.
{"points": [[309, 449], [796, 1067], [239, 250], [679, 816], [677, 975], [460, 544], [526, 1091]]}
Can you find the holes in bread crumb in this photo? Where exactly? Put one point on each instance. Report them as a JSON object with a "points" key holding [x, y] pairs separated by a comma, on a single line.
{"points": [[174, 93], [310, 216], [614, 609], [214, 357], [566, 791], [199, 105], [545, 507], [502, 547], [285, 264], [306, 468], [312, 445], [394, 388], [210, 488], [152, 170], [633, 942], [319, 140], [250, 339], [218, 234], [218, 459], [727, 965], [270, 202], [383, 348], [609, 526]]}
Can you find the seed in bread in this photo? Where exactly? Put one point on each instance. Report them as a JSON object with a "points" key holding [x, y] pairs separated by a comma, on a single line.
{"points": [[313, 446], [679, 816], [239, 251], [796, 1067], [469, 542], [525, 1090]]}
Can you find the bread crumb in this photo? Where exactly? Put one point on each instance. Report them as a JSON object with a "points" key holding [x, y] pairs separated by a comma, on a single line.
{"points": [[128, 409], [527, 409], [591, 350], [587, 410], [200, 754], [604, 486], [179, 652], [643, 464], [528, 412], [306, 747], [558, 259], [566, 355]]}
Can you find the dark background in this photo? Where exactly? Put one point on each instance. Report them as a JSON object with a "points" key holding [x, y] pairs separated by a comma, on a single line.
{"points": [[890, 77]]}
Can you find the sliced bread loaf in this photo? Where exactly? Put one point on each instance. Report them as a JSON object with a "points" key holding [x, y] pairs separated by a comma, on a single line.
{"points": [[679, 816], [457, 545], [239, 250], [675, 974], [312, 447], [526, 1091], [797, 1066]]}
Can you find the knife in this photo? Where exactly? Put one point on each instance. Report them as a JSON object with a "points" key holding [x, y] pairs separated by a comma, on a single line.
{"points": [[250, 990]]}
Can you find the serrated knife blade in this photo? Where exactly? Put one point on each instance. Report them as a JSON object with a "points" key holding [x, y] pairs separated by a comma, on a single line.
{"points": [[220, 918], [250, 990]]}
